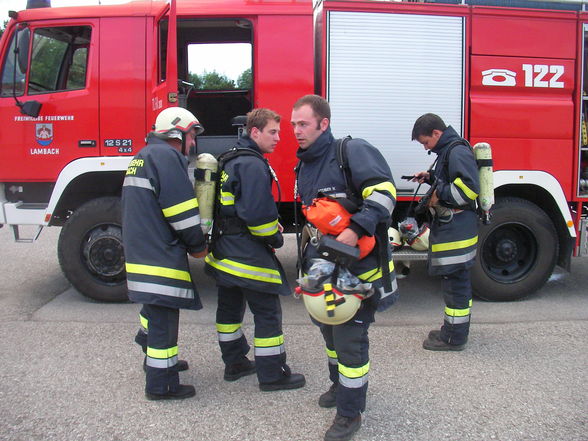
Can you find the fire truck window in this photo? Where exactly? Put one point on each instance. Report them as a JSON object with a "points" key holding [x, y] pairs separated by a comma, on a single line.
{"points": [[59, 59], [12, 81]]}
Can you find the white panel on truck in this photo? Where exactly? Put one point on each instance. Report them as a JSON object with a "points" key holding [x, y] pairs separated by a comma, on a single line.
{"points": [[385, 70]]}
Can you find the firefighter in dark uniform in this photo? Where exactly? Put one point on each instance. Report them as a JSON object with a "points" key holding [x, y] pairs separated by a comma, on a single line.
{"points": [[161, 225], [242, 260], [319, 174], [454, 228]]}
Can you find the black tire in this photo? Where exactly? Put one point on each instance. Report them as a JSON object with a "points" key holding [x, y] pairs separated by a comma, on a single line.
{"points": [[517, 251], [91, 252]]}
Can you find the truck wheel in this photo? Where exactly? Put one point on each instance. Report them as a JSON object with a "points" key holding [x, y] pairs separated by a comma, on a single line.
{"points": [[90, 250], [517, 251]]}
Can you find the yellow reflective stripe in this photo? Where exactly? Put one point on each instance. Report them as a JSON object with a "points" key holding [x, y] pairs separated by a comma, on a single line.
{"points": [[374, 274], [331, 354], [180, 208], [162, 353], [227, 198], [249, 272], [228, 329], [269, 342], [144, 322], [382, 186], [467, 191], [265, 229], [454, 245], [160, 271], [457, 312], [354, 372]]}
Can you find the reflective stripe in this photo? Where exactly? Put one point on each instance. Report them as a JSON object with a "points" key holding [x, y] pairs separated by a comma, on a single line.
{"points": [[162, 353], [161, 363], [467, 190], [227, 198], [457, 195], [159, 271], [452, 260], [375, 274], [180, 208], [186, 223], [133, 181], [144, 322], [353, 378], [269, 346], [265, 229], [457, 320], [383, 200], [332, 356], [384, 294], [268, 352], [458, 245], [164, 290], [382, 186], [457, 316], [246, 271], [229, 332]]}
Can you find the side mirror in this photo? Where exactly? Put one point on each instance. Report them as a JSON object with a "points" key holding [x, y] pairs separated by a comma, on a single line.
{"points": [[30, 108], [22, 49]]}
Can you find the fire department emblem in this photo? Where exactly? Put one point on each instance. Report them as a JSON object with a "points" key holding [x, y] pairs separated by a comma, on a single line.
{"points": [[44, 134]]}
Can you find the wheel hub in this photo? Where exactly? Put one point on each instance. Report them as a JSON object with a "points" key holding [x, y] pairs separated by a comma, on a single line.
{"points": [[506, 250], [104, 251]]}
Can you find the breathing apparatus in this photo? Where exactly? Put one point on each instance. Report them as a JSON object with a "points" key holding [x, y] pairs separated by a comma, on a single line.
{"points": [[483, 155], [205, 177]]}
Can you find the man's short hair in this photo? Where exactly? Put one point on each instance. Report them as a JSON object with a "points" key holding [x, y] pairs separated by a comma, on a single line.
{"points": [[320, 106], [259, 118], [425, 125]]}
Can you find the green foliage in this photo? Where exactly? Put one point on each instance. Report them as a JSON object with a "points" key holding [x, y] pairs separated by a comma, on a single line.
{"points": [[245, 80], [3, 27], [215, 81]]}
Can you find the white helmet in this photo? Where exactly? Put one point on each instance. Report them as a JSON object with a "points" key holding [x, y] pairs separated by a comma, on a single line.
{"points": [[331, 306], [395, 239], [175, 122], [421, 241]]}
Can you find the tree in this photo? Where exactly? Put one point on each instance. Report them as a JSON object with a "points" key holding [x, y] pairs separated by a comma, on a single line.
{"points": [[211, 81], [245, 80], [3, 27]]}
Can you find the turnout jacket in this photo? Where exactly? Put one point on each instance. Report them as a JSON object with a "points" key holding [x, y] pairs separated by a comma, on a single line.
{"points": [[319, 174], [161, 223], [245, 230], [452, 244]]}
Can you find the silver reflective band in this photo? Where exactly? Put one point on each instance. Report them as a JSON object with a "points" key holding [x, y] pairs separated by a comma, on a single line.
{"points": [[333, 361], [154, 288], [439, 261], [338, 195], [186, 223], [353, 383], [381, 199], [161, 363], [456, 195], [384, 294], [267, 352], [457, 320], [133, 181], [223, 336]]}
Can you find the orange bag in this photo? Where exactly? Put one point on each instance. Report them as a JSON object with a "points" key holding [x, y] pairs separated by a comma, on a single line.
{"points": [[329, 217]]}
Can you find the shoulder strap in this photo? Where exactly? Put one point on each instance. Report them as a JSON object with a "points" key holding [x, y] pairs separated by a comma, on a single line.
{"points": [[343, 162], [461, 141]]}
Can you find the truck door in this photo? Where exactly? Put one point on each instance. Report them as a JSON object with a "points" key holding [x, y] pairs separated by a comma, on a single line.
{"points": [[60, 73]]}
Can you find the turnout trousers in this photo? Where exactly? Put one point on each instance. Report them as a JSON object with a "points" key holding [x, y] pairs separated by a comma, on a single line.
{"points": [[347, 347], [158, 336], [269, 350], [457, 293]]}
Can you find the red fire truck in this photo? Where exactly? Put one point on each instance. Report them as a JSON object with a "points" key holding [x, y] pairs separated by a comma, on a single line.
{"points": [[82, 86]]}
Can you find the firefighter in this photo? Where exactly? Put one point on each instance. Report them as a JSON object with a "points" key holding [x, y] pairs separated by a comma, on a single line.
{"points": [[242, 259], [319, 175], [454, 228], [161, 224]]}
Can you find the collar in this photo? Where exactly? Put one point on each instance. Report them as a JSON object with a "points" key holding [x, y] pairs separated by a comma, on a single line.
{"points": [[318, 148], [245, 142], [449, 135]]}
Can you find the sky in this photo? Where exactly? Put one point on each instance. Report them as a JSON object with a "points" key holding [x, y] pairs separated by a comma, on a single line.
{"points": [[228, 60]]}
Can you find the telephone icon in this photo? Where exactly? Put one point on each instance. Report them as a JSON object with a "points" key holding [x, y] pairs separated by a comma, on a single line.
{"points": [[499, 77]]}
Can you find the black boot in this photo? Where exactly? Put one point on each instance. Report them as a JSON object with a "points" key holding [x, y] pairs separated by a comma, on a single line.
{"points": [[434, 343], [181, 365], [183, 391], [343, 428], [237, 370], [292, 381], [329, 398]]}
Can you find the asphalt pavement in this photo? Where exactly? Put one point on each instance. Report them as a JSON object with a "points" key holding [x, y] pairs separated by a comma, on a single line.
{"points": [[69, 369]]}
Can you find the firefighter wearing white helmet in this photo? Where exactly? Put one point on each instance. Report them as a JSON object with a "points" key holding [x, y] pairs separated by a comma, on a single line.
{"points": [[161, 223]]}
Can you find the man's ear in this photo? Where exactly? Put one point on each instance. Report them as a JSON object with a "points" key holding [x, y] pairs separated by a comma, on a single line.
{"points": [[324, 124], [254, 133]]}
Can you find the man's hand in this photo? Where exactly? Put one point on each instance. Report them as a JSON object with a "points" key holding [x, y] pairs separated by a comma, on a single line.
{"points": [[200, 254], [348, 237], [421, 177], [280, 228]]}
